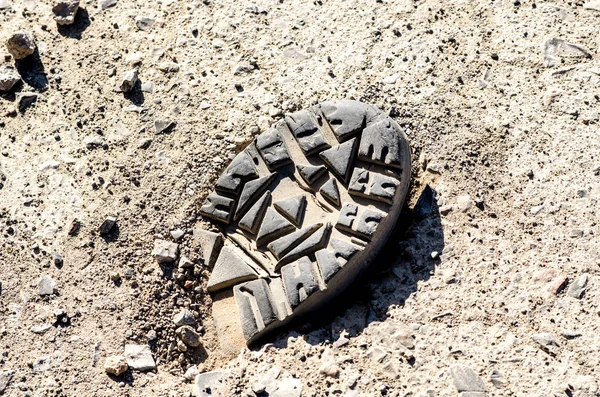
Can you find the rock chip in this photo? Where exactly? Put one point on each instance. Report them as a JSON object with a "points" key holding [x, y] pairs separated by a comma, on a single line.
{"points": [[577, 289], [328, 366], [464, 202], [168, 67], [161, 126], [44, 363], [466, 380], [25, 99], [206, 383], [189, 336], [191, 373], [130, 78], [139, 357], [115, 365], [108, 224], [20, 45], [5, 378], [46, 286], [545, 339], [104, 4], [65, 11], [288, 387], [8, 78], [165, 251], [184, 317]]}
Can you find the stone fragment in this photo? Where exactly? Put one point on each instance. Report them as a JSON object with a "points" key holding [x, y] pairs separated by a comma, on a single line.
{"points": [[292, 208], [465, 380], [232, 267], [184, 317], [139, 357], [8, 78], [273, 149], [251, 191], [330, 191], [25, 99], [188, 335], [240, 171], [165, 251], [207, 382], [129, 80], [45, 363], [144, 22], [218, 207], [168, 67], [373, 186], [5, 378], [464, 202], [163, 126], [497, 379], [285, 244], [305, 129], [108, 225], [299, 281], [191, 373], [254, 294], [46, 286], [545, 340], [314, 242], [20, 45], [210, 245], [328, 366], [115, 365], [65, 11], [381, 143], [340, 158], [556, 48], [577, 289], [361, 222], [347, 118], [334, 257], [310, 173], [104, 4], [288, 387], [273, 226], [251, 221]]}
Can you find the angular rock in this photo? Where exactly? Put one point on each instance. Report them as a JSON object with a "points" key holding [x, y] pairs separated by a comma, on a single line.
{"points": [[104, 4], [165, 126], [20, 45], [45, 363], [5, 378], [108, 224], [206, 382], [46, 286], [577, 289], [139, 357], [465, 380], [189, 336], [129, 80], [115, 365], [65, 11], [8, 78], [184, 317], [165, 251]]}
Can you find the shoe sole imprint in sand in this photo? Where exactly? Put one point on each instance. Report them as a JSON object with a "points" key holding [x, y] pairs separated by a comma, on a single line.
{"points": [[303, 210]]}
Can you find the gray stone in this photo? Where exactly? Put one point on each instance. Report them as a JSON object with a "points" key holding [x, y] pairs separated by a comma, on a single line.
{"points": [[577, 289], [210, 245], [191, 373], [25, 99], [45, 363], [556, 48], [310, 173], [144, 22], [168, 67], [46, 286], [232, 267], [251, 191], [20, 45], [340, 158], [313, 243], [330, 191], [545, 339], [236, 175], [305, 129], [251, 221], [497, 379], [188, 335], [206, 383], [273, 149], [465, 380], [139, 357], [334, 257], [184, 317], [288, 387], [8, 78], [108, 224], [361, 222], [274, 225], [177, 234], [161, 126], [292, 208], [218, 207], [5, 378], [165, 251], [41, 329], [285, 244], [347, 118], [104, 4], [381, 144], [257, 294], [129, 80], [65, 11], [299, 281], [372, 185]]}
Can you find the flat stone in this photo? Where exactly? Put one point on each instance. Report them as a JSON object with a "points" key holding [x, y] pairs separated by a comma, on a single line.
{"points": [[8, 78], [578, 287], [163, 126], [465, 380], [139, 357], [165, 251], [107, 226], [184, 317], [341, 163], [65, 11], [46, 286], [545, 339], [288, 387], [210, 245], [44, 363], [115, 365], [206, 382], [232, 267], [104, 4], [20, 45]]}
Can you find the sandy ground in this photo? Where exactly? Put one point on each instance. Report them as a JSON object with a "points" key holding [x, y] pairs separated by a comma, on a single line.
{"points": [[499, 99]]}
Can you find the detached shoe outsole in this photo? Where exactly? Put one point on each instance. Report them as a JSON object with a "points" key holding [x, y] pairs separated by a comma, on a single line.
{"points": [[303, 210]]}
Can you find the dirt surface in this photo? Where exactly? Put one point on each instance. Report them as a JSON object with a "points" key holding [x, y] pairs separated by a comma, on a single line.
{"points": [[500, 102]]}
